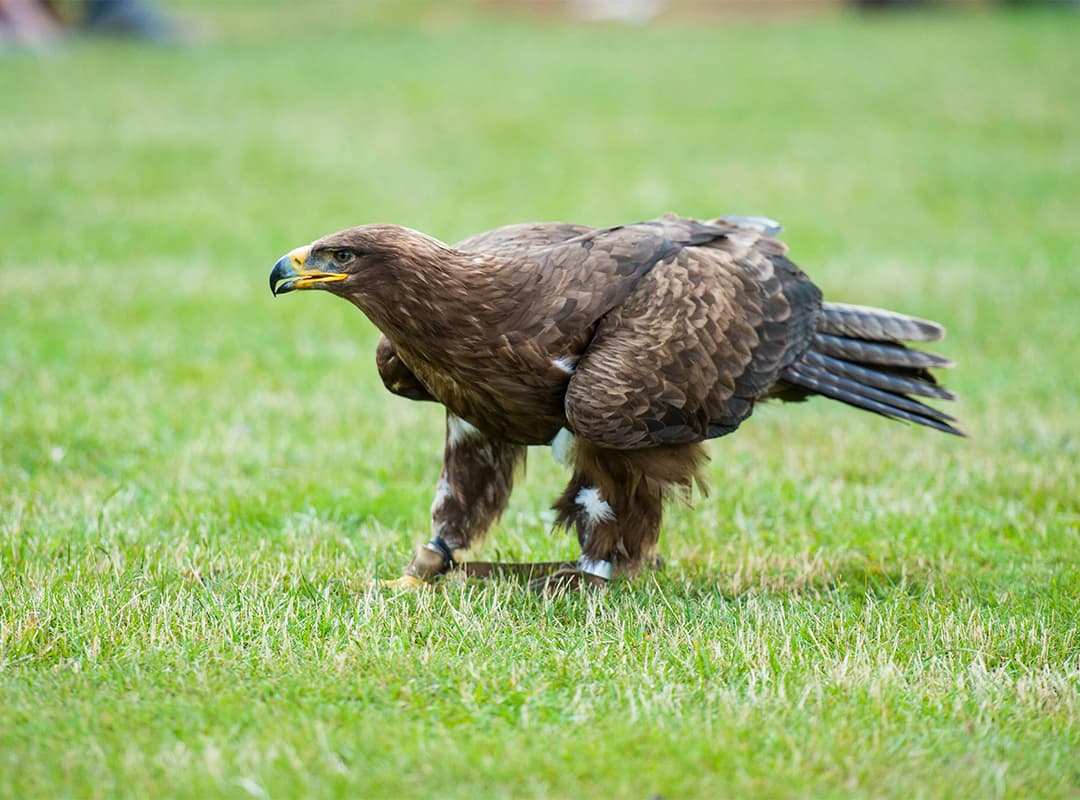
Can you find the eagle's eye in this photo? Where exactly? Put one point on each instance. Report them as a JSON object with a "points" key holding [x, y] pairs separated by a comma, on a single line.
{"points": [[342, 256]]}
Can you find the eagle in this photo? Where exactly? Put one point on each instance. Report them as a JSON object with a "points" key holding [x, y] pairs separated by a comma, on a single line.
{"points": [[622, 348]]}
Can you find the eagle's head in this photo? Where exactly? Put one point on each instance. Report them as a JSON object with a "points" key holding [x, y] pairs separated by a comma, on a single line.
{"points": [[346, 262]]}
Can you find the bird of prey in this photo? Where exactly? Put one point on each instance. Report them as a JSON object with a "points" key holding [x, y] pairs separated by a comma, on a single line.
{"points": [[623, 348]]}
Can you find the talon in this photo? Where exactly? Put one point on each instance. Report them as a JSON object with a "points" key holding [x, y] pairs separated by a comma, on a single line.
{"points": [[409, 583]]}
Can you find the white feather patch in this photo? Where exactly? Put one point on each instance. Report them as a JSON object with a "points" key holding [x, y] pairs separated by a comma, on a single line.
{"points": [[566, 363], [458, 430], [596, 510], [561, 446], [770, 227]]}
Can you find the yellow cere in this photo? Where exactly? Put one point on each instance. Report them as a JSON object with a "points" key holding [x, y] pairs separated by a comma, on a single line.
{"points": [[298, 257]]}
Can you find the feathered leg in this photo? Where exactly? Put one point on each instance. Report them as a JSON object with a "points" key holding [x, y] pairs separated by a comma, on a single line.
{"points": [[473, 489], [615, 502]]}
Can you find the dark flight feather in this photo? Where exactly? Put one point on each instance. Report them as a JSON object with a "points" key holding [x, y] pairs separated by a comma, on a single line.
{"points": [[824, 386], [870, 352], [882, 380], [876, 324], [850, 386]]}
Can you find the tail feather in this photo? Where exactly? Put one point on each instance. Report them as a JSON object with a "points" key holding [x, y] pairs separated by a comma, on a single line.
{"points": [[899, 401], [857, 357], [881, 380], [860, 401], [864, 352], [876, 324]]}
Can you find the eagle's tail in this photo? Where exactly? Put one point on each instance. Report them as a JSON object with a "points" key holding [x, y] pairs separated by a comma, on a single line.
{"points": [[857, 357]]}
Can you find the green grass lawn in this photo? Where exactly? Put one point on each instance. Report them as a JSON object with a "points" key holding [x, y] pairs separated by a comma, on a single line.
{"points": [[197, 481]]}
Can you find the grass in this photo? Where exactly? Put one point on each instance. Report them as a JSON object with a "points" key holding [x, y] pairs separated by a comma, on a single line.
{"points": [[197, 481]]}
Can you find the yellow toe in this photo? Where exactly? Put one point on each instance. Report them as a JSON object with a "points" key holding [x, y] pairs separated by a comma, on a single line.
{"points": [[405, 583]]}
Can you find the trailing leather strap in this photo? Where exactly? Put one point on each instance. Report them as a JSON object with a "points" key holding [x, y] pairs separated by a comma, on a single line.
{"points": [[436, 558], [523, 570], [530, 571]]}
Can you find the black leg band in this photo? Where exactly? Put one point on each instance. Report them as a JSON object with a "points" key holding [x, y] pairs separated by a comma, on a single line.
{"points": [[439, 545]]}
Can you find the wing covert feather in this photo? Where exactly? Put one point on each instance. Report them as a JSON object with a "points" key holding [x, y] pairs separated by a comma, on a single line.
{"points": [[702, 337]]}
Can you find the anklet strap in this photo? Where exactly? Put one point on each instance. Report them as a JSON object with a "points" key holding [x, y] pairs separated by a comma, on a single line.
{"points": [[597, 567], [439, 545]]}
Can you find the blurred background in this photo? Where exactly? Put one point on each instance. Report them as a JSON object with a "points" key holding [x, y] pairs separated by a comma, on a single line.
{"points": [[924, 159], [31, 21], [179, 450]]}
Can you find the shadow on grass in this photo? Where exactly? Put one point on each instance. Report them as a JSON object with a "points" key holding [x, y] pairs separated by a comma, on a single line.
{"points": [[851, 577]]}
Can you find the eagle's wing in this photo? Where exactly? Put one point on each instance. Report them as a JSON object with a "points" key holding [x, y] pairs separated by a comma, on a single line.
{"points": [[397, 377], [704, 333]]}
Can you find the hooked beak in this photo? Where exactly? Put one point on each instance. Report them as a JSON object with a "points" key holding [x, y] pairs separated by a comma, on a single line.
{"points": [[291, 272]]}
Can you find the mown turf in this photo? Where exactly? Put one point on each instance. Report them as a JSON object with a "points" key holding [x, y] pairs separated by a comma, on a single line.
{"points": [[197, 481]]}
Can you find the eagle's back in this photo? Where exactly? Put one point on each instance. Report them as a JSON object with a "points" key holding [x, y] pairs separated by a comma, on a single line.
{"points": [[658, 332]]}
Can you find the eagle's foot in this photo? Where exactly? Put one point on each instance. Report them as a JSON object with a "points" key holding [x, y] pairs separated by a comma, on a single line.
{"points": [[430, 561], [406, 583]]}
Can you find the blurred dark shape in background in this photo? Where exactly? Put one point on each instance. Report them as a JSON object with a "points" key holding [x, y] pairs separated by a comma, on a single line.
{"points": [[639, 11], [35, 22], [26, 21], [125, 17], [875, 5]]}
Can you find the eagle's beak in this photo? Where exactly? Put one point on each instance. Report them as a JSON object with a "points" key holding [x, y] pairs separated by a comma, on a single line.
{"points": [[292, 272]]}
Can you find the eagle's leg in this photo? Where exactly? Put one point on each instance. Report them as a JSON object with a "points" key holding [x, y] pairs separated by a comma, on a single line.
{"points": [[615, 503], [474, 488]]}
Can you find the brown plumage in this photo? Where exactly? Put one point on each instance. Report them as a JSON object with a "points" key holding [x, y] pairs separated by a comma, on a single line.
{"points": [[625, 348]]}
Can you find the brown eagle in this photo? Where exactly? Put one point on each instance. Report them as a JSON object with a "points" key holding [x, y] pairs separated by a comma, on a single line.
{"points": [[622, 348]]}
